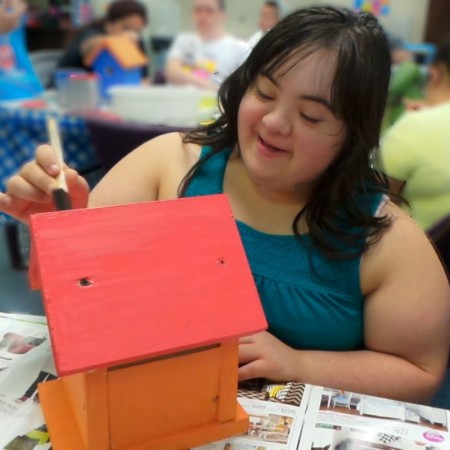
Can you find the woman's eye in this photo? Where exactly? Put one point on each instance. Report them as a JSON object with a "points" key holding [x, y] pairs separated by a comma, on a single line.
{"points": [[309, 118], [262, 95]]}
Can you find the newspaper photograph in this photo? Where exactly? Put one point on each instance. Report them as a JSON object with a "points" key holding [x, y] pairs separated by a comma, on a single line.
{"points": [[342, 420], [276, 413], [25, 361]]}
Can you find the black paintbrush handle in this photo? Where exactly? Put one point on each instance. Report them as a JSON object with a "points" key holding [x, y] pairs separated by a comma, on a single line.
{"points": [[62, 199]]}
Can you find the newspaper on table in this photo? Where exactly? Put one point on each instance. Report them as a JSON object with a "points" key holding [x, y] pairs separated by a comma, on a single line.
{"points": [[341, 420], [25, 360], [288, 416], [329, 419], [276, 413]]}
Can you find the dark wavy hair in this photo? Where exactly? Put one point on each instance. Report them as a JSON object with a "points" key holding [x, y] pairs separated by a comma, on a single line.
{"points": [[338, 214], [120, 9]]}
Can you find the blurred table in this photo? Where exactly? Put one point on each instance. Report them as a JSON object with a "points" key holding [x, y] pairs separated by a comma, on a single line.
{"points": [[113, 138]]}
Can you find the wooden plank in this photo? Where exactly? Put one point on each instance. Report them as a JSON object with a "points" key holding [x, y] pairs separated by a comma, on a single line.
{"points": [[129, 282], [197, 436], [228, 382], [61, 423], [163, 397], [97, 405]]}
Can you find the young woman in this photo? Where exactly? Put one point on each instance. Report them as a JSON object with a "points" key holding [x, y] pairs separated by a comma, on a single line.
{"points": [[18, 79], [122, 17], [354, 294]]}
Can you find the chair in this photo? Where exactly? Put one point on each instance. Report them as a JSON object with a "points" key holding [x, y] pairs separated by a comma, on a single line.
{"points": [[342, 399], [114, 138], [45, 63]]}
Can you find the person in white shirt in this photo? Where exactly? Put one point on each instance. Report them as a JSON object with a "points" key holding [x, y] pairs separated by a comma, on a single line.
{"points": [[205, 57]]}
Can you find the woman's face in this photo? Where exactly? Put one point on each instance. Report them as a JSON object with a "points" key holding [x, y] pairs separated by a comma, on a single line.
{"points": [[288, 134], [132, 25]]}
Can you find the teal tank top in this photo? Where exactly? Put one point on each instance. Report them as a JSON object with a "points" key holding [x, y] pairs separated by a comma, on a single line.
{"points": [[310, 301]]}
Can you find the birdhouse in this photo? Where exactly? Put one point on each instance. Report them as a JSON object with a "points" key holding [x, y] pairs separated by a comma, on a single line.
{"points": [[116, 60], [145, 305]]}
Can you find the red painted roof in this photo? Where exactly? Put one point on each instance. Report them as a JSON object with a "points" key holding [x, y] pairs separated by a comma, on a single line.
{"points": [[129, 282]]}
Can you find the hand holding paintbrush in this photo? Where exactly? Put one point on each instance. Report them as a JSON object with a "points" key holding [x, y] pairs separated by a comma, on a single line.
{"points": [[61, 194]]}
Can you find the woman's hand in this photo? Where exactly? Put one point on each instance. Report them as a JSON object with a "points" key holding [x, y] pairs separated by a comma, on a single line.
{"points": [[30, 190], [264, 356]]}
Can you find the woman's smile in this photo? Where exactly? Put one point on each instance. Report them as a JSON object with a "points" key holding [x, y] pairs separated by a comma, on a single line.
{"points": [[267, 149]]}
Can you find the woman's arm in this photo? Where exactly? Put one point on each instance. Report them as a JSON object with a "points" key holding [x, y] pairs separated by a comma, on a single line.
{"points": [[407, 327], [151, 172], [175, 73]]}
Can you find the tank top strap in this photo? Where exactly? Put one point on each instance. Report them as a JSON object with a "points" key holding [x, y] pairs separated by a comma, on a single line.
{"points": [[209, 180]]}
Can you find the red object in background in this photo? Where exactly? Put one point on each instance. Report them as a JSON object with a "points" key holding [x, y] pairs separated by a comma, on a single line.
{"points": [[34, 104]]}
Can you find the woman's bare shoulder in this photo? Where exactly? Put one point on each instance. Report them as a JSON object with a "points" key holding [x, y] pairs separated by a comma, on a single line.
{"points": [[169, 146], [152, 171], [404, 250]]}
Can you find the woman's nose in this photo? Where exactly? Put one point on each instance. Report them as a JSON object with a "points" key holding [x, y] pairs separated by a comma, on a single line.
{"points": [[278, 121]]}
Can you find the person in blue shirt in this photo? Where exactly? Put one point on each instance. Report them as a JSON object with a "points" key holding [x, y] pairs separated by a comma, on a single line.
{"points": [[355, 296], [18, 79]]}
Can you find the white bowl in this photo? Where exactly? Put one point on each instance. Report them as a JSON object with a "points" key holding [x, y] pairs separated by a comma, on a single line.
{"points": [[184, 106]]}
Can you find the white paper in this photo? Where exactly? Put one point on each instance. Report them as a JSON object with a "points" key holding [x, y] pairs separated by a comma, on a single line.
{"points": [[343, 420], [25, 355], [276, 413], [289, 416]]}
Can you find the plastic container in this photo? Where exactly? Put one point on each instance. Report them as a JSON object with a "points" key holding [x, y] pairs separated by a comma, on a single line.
{"points": [[83, 92], [184, 106], [61, 79]]}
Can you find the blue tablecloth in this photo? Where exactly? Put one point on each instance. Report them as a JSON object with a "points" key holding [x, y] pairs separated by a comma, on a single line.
{"points": [[22, 130]]}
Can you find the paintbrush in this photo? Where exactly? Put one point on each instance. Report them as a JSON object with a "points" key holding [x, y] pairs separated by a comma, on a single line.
{"points": [[61, 194]]}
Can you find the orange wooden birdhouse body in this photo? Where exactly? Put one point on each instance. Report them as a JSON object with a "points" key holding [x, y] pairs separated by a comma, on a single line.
{"points": [[145, 305]]}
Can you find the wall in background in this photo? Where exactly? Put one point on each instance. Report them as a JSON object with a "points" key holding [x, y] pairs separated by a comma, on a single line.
{"points": [[407, 19]]}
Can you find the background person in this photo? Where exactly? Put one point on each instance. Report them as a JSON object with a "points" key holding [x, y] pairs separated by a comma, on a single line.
{"points": [[18, 79], [270, 13], [399, 52], [349, 284], [205, 57], [123, 17], [416, 150], [11, 14]]}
